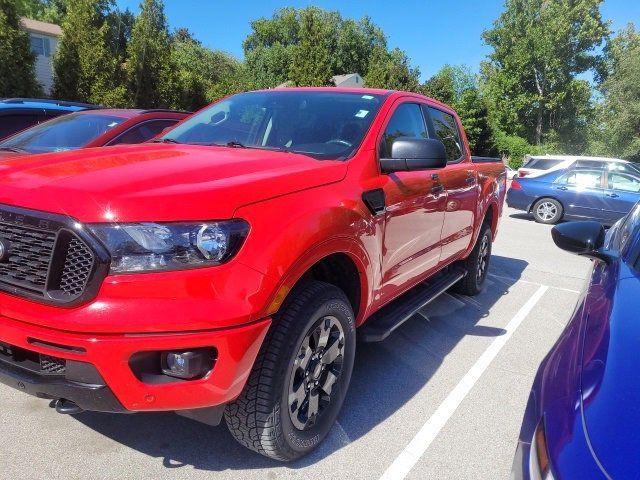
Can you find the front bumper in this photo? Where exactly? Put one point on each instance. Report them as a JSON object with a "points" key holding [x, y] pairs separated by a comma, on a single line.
{"points": [[88, 396], [110, 355]]}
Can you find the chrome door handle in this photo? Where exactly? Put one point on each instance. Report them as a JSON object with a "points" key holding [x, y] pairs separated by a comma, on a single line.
{"points": [[612, 195], [563, 188]]}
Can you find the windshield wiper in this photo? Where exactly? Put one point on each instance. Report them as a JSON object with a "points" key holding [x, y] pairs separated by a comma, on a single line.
{"points": [[12, 149], [236, 144], [165, 140]]}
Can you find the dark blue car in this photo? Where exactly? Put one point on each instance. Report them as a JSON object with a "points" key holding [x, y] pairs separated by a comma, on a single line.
{"points": [[604, 194], [582, 420], [16, 114]]}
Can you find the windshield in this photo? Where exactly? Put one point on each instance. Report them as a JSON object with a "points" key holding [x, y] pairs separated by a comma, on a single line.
{"points": [[67, 132], [323, 125]]}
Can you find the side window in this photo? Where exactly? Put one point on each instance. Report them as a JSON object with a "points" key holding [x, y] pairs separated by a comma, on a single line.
{"points": [[407, 121], [544, 164], [10, 124], [588, 164], [587, 179], [446, 130], [625, 183], [632, 168], [143, 132]]}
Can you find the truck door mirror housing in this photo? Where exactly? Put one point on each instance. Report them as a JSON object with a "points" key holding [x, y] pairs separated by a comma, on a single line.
{"points": [[409, 154]]}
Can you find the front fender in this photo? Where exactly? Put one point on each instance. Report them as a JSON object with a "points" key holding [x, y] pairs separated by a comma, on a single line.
{"points": [[290, 234]]}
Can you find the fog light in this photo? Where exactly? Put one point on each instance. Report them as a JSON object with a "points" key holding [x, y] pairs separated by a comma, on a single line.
{"points": [[187, 364]]}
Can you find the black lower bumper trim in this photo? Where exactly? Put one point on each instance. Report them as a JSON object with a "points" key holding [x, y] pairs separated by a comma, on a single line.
{"points": [[93, 397]]}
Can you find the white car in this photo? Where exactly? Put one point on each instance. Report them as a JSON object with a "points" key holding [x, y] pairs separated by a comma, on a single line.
{"points": [[537, 165]]}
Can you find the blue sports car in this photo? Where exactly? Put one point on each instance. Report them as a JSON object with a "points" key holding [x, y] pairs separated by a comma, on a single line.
{"points": [[583, 416], [605, 194]]}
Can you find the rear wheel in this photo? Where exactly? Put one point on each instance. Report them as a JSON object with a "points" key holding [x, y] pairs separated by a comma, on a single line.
{"points": [[547, 210], [300, 378], [476, 264]]}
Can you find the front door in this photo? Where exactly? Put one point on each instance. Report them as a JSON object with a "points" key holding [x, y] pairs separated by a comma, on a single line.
{"points": [[415, 209], [621, 193], [581, 194]]}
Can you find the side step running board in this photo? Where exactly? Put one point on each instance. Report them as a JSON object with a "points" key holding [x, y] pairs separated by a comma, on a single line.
{"points": [[382, 323]]}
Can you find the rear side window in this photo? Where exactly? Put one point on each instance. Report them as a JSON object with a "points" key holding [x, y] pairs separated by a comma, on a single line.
{"points": [[625, 183], [407, 121], [542, 163], [587, 179], [588, 164], [10, 124], [143, 132], [446, 129]]}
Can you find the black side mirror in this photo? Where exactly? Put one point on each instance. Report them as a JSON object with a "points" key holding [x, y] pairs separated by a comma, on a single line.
{"points": [[408, 154], [585, 238]]}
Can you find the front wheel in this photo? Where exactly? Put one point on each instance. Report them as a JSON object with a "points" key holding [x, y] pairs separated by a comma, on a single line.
{"points": [[547, 210], [298, 383]]}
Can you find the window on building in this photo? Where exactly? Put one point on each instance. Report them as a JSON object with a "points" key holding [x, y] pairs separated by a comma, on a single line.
{"points": [[41, 46]]}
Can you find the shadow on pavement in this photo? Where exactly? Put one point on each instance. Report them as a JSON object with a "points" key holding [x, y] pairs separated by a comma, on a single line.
{"points": [[385, 377]]}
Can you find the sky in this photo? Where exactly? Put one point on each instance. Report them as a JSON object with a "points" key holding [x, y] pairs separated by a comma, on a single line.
{"points": [[433, 33]]}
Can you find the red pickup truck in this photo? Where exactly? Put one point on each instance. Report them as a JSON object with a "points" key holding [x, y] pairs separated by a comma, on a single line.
{"points": [[228, 268]]}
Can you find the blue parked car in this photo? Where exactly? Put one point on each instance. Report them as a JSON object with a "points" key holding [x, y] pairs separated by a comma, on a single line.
{"points": [[605, 194], [16, 114], [583, 416]]}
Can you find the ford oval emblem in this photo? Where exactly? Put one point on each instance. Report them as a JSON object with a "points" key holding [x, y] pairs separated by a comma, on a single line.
{"points": [[3, 250]]}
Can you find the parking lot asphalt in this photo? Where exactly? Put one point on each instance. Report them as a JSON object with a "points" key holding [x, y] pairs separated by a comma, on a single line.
{"points": [[441, 398]]}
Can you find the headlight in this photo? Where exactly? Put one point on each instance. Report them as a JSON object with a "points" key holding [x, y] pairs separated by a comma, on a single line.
{"points": [[137, 247]]}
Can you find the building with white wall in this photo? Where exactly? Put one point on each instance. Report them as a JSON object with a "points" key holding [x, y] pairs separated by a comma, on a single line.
{"points": [[44, 41]]}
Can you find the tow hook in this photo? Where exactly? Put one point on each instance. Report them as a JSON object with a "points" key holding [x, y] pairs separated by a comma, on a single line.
{"points": [[67, 407]]}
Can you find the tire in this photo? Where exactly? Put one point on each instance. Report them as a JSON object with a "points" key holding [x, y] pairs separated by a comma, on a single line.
{"points": [[548, 211], [476, 264], [263, 418]]}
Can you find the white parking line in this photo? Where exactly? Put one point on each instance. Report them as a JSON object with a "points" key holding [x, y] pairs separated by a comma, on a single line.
{"points": [[407, 459], [515, 280]]}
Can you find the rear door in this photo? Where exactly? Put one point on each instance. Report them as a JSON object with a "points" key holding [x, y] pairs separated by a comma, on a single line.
{"points": [[460, 182], [581, 193], [415, 207], [621, 193]]}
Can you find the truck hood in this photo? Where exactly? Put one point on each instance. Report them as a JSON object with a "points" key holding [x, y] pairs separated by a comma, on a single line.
{"points": [[158, 182]]}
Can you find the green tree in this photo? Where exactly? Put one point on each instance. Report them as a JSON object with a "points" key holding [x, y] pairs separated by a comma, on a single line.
{"points": [[309, 46], [617, 131], [539, 47], [84, 66], [458, 87], [17, 77], [151, 73], [392, 70], [203, 75], [312, 56]]}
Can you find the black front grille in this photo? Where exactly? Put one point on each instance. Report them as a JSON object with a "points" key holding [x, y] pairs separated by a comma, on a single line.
{"points": [[77, 267], [32, 361], [28, 255], [48, 257]]}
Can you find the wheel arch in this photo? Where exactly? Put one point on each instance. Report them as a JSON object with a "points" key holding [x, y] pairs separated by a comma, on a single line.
{"points": [[339, 262]]}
